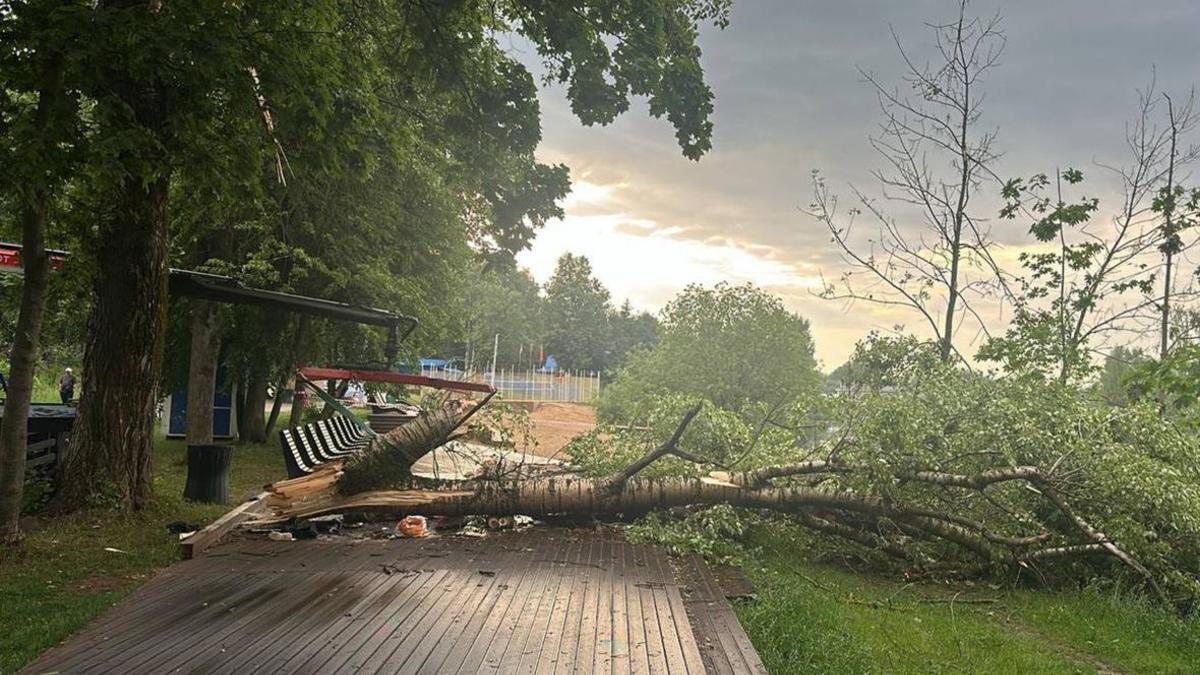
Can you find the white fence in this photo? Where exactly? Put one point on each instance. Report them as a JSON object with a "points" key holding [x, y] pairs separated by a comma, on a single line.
{"points": [[576, 386]]}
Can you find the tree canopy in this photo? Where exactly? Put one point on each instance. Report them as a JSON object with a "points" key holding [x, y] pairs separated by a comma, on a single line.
{"points": [[736, 346], [369, 152]]}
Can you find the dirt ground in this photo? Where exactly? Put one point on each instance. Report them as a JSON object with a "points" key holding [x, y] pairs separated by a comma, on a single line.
{"points": [[555, 424]]}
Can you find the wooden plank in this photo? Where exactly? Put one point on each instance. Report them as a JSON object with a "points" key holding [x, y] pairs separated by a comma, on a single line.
{"points": [[605, 610], [487, 652], [585, 642], [738, 642], [704, 630], [195, 544], [673, 630], [510, 566], [401, 593], [559, 602], [689, 651], [340, 636], [163, 599], [443, 626], [734, 642], [322, 633], [153, 639], [39, 446], [559, 650], [388, 653], [545, 630], [34, 462], [647, 585], [288, 624], [505, 654], [202, 645], [363, 643]]}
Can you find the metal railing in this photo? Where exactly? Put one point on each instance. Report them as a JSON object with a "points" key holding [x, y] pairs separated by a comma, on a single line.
{"points": [[514, 384]]}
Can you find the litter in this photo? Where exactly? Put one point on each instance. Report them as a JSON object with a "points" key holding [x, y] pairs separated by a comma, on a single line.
{"points": [[274, 535], [328, 524], [413, 526], [472, 531], [115, 550], [181, 526]]}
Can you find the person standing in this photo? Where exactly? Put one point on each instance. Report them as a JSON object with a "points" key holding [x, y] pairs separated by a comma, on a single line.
{"points": [[66, 386]]}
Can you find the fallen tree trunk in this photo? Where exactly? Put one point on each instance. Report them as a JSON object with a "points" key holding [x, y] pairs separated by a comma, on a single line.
{"points": [[388, 460], [878, 523]]}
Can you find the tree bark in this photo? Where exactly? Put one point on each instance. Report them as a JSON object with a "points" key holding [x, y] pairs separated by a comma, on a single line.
{"points": [[252, 425], [298, 394], [22, 363], [389, 459], [112, 443], [276, 406], [299, 398], [202, 372], [23, 357], [1170, 238], [111, 455]]}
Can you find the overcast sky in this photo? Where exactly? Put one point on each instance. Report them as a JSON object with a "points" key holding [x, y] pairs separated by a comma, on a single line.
{"points": [[789, 100]]}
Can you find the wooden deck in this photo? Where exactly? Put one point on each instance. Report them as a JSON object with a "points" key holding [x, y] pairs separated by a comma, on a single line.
{"points": [[547, 600]]}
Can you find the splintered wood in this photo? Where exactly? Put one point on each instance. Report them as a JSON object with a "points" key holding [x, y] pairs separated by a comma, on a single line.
{"points": [[316, 493]]}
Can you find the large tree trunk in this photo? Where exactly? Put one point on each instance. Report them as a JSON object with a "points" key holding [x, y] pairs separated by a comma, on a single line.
{"points": [[22, 363], [202, 372], [389, 459], [252, 425], [112, 442], [23, 357]]}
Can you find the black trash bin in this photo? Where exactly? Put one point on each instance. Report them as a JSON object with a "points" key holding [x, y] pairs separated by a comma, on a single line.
{"points": [[208, 473]]}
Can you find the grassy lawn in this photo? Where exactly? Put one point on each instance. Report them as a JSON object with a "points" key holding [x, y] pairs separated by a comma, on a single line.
{"points": [[60, 577], [814, 618]]}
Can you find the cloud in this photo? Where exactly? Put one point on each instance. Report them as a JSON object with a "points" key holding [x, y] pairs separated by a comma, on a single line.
{"points": [[789, 99]]}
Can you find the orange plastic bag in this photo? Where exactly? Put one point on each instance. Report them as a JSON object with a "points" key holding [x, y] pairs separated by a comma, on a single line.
{"points": [[413, 526]]}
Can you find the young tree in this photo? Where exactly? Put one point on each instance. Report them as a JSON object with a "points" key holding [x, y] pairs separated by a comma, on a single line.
{"points": [[1092, 281], [1062, 285], [38, 145], [938, 271], [1179, 212]]}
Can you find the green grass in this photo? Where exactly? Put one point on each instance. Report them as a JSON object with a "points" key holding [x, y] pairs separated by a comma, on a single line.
{"points": [[815, 618], [60, 576]]}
